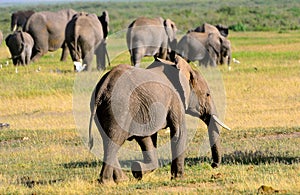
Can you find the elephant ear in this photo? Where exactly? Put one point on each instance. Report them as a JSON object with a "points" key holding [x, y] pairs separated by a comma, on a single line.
{"points": [[214, 43], [8, 38], [170, 28], [22, 41], [104, 19], [186, 77], [223, 30]]}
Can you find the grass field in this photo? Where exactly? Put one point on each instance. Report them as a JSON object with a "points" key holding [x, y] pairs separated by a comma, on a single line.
{"points": [[43, 153]]}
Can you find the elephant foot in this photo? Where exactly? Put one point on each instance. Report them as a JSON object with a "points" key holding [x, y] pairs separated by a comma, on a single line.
{"points": [[136, 169], [214, 165], [105, 181], [119, 176], [139, 169]]}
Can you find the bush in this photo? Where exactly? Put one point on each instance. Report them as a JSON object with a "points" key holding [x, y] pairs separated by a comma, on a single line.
{"points": [[237, 27]]}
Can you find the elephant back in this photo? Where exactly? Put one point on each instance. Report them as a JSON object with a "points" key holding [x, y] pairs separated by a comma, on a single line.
{"points": [[88, 24], [144, 21]]}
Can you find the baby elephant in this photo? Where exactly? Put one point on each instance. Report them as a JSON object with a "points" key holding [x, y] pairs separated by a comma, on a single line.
{"points": [[20, 45]]}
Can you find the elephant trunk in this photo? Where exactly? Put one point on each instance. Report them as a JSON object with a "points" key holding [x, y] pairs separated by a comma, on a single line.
{"points": [[172, 53], [214, 124], [214, 140]]}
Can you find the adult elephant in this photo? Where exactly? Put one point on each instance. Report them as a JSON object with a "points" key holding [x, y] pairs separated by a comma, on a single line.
{"points": [[48, 32], [85, 36], [20, 45], [151, 37], [223, 30], [135, 103], [19, 19], [207, 48]]}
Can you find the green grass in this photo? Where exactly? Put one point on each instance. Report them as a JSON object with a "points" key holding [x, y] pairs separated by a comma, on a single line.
{"points": [[43, 153], [241, 15]]}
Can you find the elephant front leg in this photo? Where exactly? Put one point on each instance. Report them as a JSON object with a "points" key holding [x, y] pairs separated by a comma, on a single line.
{"points": [[150, 163], [178, 144], [37, 53], [214, 139]]}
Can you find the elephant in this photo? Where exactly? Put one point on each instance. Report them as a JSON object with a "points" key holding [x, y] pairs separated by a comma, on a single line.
{"points": [[20, 45], [135, 103], [223, 30], [151, 37], [48, 32], [19, 19], [85, 36], [207, 48]]}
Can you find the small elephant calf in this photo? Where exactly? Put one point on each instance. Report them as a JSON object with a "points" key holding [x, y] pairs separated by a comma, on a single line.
{"points": [[20, 45]]}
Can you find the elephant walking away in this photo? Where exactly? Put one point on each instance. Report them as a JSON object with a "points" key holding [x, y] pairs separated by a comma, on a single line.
{"points": [[20, 45], [207, 48], [48, 32], [151, 37], [85, 36], [19, 19], [135, 103]]}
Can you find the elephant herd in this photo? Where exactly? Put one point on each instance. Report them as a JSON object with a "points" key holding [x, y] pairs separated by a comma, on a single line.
{"points": [[132, 103], [156, 37], [80, 34], [83, 35]]}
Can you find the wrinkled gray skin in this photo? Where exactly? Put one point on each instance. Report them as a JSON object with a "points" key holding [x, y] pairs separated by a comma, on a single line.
{"points": [[159, 98], [48, 32], [1, 37], [85, 36], [207, 48], [225, 54], [151, 37], [20, 45], [19, 19]]}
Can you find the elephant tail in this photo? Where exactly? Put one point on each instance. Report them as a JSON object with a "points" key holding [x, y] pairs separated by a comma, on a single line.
{"points": [[93, 114], [76, 37], [96, 100], [91, 139]]}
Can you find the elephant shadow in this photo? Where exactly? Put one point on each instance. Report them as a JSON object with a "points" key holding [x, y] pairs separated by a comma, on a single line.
{"points": [[247, 158], [126, 164], [236, 157]]}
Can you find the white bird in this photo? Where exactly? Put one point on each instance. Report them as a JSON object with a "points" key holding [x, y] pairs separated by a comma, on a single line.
{"points": [[235, 61], [38, 70], [79, 67]]}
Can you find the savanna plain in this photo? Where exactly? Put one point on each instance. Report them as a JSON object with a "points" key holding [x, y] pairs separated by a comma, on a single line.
{"points": [[42, 151]]}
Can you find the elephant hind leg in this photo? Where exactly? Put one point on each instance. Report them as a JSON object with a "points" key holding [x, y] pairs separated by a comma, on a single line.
{"points": [[148, 146], [111, 169], [136, 56]]}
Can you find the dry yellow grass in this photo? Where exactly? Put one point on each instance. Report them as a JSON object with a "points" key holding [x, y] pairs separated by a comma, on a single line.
{"points": [[262, 100]]}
